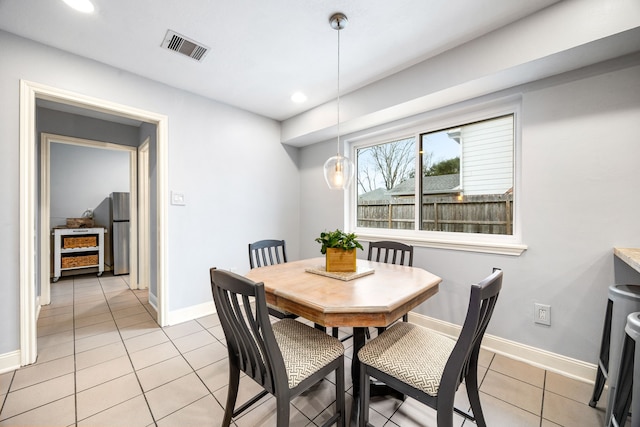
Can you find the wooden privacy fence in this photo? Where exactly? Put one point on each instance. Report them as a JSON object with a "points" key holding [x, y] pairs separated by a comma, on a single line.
{"points": [[487, 214]]}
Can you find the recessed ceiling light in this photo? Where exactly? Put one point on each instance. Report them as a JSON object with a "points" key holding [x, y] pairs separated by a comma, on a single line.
{"points": [[84, 6], [298, 97]]}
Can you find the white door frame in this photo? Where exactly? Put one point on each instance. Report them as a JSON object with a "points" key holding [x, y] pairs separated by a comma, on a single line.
{"points": [[46, 139], [144, 211], [29, 93]]}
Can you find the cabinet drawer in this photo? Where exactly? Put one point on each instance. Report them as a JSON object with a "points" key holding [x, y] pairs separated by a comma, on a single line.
{"points": [[68, 261], [71, 242]]}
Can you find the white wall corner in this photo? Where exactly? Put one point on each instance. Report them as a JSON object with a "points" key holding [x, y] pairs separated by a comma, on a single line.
{"points": [[566, 366]]}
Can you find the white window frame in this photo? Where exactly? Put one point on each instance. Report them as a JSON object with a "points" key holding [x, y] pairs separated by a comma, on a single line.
{"points": [[435, 121]]}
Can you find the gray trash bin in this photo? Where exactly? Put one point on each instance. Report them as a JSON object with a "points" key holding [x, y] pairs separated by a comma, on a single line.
{"points": [[627, 395], [626, 300], [633, 330]]}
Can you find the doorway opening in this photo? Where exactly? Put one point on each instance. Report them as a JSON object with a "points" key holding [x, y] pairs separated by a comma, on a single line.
{"points": [[31, 243], [47, 143]]}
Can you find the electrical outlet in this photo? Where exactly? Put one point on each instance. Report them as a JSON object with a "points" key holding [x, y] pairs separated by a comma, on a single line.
{"points": [[542, 314], [177, 199]]}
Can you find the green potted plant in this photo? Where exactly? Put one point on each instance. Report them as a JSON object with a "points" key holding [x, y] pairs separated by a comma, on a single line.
{"points": [[340, 250]]}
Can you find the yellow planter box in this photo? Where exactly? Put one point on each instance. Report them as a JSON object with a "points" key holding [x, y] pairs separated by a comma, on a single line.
{"points": [[339, 260]]}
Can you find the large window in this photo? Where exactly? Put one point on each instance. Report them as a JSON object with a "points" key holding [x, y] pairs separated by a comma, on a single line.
{"points": [[457, 180]]}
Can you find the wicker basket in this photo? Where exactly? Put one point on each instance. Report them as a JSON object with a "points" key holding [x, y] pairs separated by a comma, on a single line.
{"points": [[79, 222], [79, 261], [79, 242]]}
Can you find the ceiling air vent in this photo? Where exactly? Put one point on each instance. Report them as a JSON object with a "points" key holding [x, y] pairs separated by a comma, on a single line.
{"points": [[179, 43]]}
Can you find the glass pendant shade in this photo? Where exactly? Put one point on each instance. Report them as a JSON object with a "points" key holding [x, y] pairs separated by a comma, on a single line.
{"points": [[338, 172]]}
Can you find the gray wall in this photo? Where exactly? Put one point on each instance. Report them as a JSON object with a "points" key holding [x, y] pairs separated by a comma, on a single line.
{"points": [[81, 177], [239, 182], [68, 124], [579, 199]]}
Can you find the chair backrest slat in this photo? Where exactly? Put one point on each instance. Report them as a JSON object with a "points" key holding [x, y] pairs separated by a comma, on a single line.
{"points": [[242, 309], [391, 253], [482, 302], [267, 252], [242, 344]]}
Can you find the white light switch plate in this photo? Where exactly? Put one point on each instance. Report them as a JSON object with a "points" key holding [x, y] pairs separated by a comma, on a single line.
{"points": [[177, 199]]}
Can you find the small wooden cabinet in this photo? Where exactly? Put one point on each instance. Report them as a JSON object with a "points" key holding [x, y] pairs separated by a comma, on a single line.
{"points": [[77, 248]]}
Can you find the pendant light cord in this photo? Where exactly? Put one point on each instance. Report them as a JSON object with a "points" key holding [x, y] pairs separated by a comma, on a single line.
{"points": [[338, 99], [338, 169]]}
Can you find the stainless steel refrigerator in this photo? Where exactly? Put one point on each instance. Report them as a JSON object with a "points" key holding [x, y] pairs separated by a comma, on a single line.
{"points": [[113, 213]]}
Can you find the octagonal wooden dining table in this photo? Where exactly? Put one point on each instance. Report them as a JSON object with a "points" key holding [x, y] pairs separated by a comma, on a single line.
{"points": [[377, 295]]}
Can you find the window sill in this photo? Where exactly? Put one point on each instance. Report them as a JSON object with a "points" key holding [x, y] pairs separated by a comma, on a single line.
{"points": [[498, 248]]}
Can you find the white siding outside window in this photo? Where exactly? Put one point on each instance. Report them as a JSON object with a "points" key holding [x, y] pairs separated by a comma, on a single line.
{"points": [[487, 156]]}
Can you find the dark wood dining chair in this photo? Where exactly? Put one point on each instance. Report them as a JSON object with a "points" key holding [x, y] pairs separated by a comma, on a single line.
{"points": [[269, 252], [391, 253], [286, 358], [429, 366]]}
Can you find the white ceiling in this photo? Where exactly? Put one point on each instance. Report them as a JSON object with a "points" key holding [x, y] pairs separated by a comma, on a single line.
{"points": [[262, 51]]}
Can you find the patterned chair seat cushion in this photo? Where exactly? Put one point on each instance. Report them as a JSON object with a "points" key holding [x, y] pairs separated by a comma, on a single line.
{"points": [[304, 349], [411, 353]]}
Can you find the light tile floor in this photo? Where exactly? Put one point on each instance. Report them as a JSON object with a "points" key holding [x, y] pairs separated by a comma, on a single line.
{"points": [[103, 361]]}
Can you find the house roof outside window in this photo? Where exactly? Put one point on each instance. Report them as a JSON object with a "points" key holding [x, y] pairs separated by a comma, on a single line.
{"points": [[440, 184]]}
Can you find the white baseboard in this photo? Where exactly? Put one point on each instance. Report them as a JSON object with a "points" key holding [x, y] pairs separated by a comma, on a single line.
{"points": [[153, 300], [9, 361], [190, 313], [563, 365]]}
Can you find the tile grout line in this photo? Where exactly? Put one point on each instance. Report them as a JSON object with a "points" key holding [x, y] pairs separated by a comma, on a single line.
{"points": [[12, 391], [181, 354], [13, 374], [75, 367], [515, 379], [480, 381], [544, 392], [121, 340], [193, 370], [135, 371]]}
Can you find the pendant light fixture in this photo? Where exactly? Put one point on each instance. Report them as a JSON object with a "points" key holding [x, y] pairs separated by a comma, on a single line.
{"points": [[84, 6], [338, 170]]}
